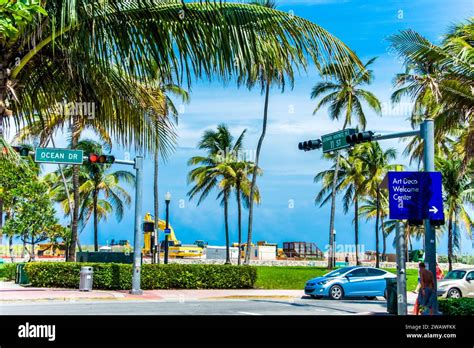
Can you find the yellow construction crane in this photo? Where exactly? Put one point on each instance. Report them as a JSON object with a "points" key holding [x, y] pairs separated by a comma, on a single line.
{"points": [[175, 248]]}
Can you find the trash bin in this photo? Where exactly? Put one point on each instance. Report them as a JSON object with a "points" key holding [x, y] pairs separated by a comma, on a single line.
{"points": [[21, 276], [391, 288], [86, 279]]}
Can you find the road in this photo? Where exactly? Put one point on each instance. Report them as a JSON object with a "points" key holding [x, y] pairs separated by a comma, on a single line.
{"points": [[303, 306]]}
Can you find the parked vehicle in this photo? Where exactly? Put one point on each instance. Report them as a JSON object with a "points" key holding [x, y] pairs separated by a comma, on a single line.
{"points": [[353, 281], [457, 283]]}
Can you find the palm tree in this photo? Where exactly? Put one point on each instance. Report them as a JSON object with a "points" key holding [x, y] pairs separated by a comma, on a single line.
{"points": [[439, 79], [238, 179], [168, 109], [73, 62], [369, 209], [214, 168], [458, 195], [350, 178], [344, 100], [95, 182], [377, 163]]}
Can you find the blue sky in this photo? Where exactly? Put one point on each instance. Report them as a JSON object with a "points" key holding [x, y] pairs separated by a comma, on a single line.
{"points": [[288, 212]]}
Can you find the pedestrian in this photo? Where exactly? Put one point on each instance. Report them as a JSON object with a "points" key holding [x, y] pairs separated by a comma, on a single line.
{"points": [[427, 295], [347, 259]]}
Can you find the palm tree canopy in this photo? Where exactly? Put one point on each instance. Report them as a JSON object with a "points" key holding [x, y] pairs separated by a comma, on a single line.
{"points": [[439, 80], [94, 179], [202, 39], [343, 95]]}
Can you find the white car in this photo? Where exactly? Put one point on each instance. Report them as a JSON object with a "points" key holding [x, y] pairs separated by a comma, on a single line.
{"points": [[457, 283]]}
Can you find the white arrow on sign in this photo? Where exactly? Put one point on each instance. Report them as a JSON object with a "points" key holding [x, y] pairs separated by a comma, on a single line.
{"points": [[433, 209]]}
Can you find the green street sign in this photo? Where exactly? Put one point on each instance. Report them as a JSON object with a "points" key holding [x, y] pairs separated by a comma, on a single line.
{"points": [[336, 141], [64, 156]]}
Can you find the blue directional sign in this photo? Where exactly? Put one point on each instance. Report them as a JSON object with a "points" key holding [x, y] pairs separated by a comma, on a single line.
{"points": [[167, 231], [415, 196]]}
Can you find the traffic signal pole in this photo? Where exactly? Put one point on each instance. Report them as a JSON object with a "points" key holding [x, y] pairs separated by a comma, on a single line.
{"points": [[427, 133], [138, 234], [137, 245], [401, 270]]}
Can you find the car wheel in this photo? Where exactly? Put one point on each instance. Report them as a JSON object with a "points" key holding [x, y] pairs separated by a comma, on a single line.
{"points": [[370, 297], [454, 293], [336, 292], [316, 297]]}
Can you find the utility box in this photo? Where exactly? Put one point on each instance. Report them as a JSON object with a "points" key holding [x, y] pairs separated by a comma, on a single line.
{"points": [[219, 253], [86, 279], [21, 276], [391, 294]]}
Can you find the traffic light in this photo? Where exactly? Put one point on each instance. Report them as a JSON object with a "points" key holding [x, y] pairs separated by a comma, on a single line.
{"points": [[361, 137], [101, 159], [310, 145], [22, 150], [148, 226]]}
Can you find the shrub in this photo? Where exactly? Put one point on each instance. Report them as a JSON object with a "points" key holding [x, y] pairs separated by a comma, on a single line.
{"points": [[119, 276], [8, 271], [457, 306]]}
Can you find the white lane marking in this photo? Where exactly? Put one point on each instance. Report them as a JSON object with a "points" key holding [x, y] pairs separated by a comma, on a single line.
{"points": [[249, 313]]}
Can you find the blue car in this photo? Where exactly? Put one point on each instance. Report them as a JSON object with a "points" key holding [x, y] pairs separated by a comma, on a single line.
{"points": [[354, 281]]}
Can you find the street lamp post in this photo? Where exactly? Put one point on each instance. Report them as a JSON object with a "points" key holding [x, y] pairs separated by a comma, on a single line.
{"points": [[167, 201], [335, 249]]}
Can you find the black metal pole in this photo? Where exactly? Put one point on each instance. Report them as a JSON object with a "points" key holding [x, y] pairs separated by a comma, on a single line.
{"points": [[167, 227]]}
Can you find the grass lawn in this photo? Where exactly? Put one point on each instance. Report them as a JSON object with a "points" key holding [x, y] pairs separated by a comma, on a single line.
{"points": [[295, 277]]}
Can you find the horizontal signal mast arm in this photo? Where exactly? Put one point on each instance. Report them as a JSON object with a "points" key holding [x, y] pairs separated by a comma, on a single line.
{"points": [[397, 135]]}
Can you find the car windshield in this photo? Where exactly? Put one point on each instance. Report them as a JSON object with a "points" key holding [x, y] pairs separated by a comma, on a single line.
{"points": [[455, 275], [337, 272]]}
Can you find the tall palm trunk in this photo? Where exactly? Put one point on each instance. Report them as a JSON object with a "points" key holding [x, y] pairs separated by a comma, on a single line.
{"points": [[3, 89], [384, 239], [377, 261], [226, 221], [95, 198], [239, 214], [156, 258], [10, 248], [75, 191], [331, 251], [254, 174], [356, 227], [450, 241]]}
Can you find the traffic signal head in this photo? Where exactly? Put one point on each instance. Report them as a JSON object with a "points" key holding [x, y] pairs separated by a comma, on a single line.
{"points": [[22, 150], [148, 226], [361, 137], [310, 145], [101, 159]]}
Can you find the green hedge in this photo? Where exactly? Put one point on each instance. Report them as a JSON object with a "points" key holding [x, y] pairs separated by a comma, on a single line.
{"points": [[8, 271], [457, 306], [119, 276]]}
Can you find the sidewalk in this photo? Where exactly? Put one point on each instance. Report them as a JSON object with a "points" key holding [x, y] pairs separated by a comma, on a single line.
{"points": [[10, 291], [13, 292]]}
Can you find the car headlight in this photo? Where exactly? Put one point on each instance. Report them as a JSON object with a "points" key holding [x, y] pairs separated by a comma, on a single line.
{"points": [[322, 282]]}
